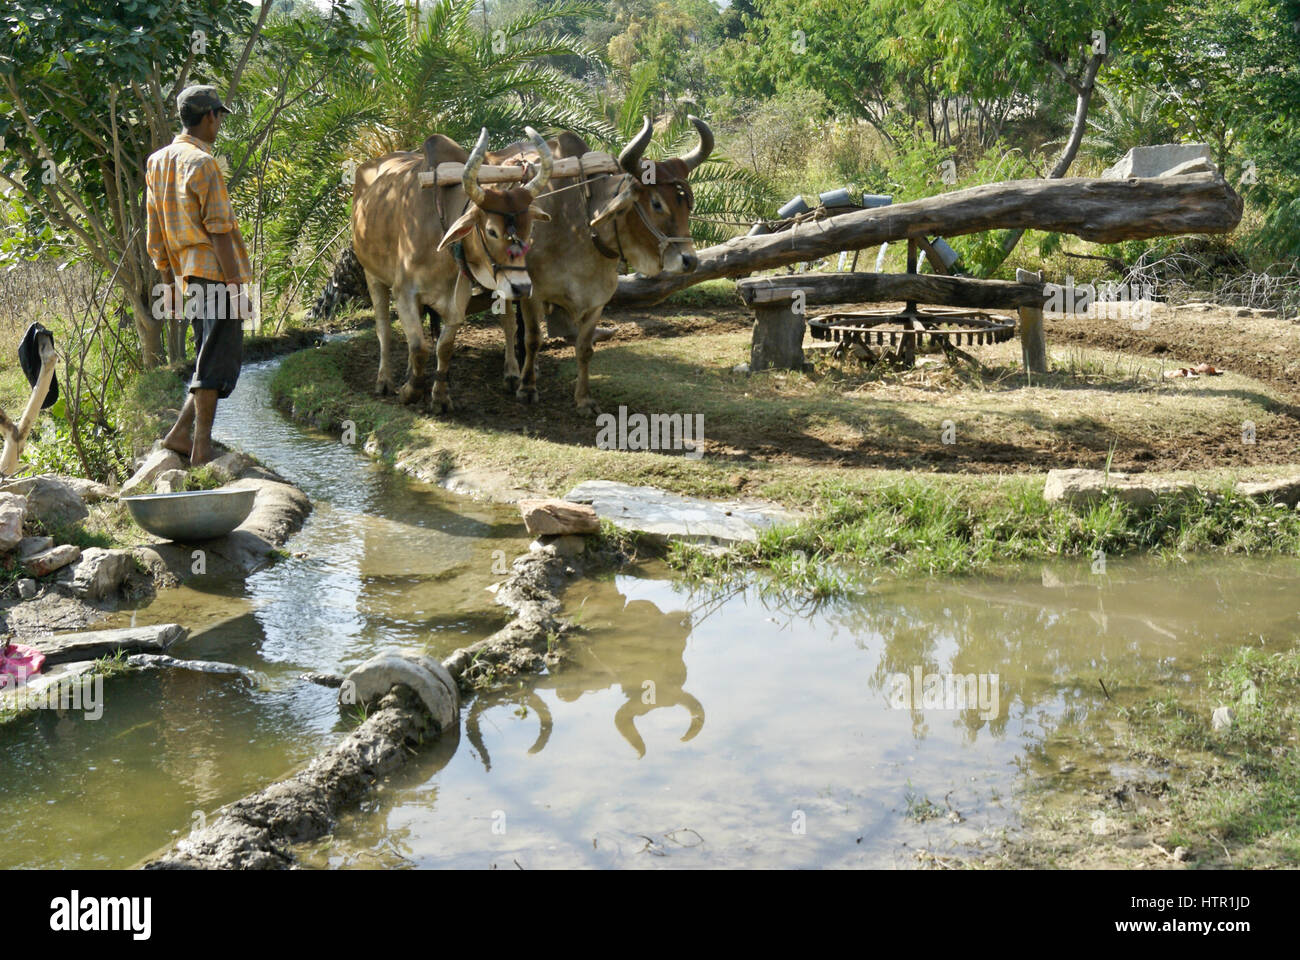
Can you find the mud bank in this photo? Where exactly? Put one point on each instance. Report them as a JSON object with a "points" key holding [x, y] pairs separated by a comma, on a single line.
{"points": [[258, 831]]}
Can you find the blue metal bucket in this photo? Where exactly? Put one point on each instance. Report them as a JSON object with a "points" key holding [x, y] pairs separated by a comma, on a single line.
{"points": [[836, 198], [870, 200], [946, 253], [793, 207]]}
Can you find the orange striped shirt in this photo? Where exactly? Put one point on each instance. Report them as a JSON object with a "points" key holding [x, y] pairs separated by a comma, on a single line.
{"points": [[187, 203]]}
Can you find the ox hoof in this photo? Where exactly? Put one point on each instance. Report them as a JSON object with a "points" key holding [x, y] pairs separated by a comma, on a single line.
{"points": [[443, 405], [410, 394], [526, 394], [385, 388], [512, 383], [588, 408]]}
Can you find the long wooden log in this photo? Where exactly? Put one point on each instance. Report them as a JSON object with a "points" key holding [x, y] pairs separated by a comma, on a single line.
{"points": [[591, 163], [1104, 211], [823, 288]]}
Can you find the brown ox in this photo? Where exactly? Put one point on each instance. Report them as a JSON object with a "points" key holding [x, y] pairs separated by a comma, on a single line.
{"points": [[641, 216], [431, 248]]}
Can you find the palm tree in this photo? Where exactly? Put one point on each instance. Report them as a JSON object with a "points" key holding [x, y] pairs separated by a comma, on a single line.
{"points": [[412, 76], [1135, 119]]}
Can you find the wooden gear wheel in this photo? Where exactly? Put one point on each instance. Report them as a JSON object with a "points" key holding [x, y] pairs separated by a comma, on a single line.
{"points": [[890, 327]]}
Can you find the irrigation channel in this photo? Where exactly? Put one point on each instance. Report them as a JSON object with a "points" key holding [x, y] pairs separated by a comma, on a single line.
{"points": [[690, 728]]}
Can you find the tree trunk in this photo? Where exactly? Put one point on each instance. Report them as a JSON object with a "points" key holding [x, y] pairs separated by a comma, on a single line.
{"points": [[1082, 99], [148, 329]]}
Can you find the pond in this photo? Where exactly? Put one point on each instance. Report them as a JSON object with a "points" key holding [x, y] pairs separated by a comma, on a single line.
{"points": [[690, 729]]}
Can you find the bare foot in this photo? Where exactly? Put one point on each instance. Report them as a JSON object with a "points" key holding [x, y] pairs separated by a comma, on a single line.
{"points": [[200, 454], [181, 443]]}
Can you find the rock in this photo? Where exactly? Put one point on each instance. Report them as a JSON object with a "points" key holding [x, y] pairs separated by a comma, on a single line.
{"points": [[1285, 491], [662, 516], [1195, 165], [427, 677], [170, 481], [1079, 487], [558, 517], [158, 461], [13, 511], [159, 661], [566, 545], [100, 573], [30, 546], [231, 465], [1180, 854], [91, 645], [88, 490], [1155, 161], [1222, 718], [741, 368], [569, 545], [1083, 488], [53, 502], [48, 561], [27, 588]]}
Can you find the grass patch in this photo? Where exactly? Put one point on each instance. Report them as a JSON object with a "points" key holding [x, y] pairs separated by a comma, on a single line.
{"points": [[108, 525], [111, 665], [914, 526], [147, 407], [203, 477], [1241, 795], [720, 292]]}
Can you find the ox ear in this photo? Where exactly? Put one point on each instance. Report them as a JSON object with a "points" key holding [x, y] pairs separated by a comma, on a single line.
{"points": [[622, 200], [460, 228], [538, 214]]}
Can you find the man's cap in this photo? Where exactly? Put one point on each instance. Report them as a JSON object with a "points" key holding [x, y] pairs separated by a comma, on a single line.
{"points": [[200, 98]]}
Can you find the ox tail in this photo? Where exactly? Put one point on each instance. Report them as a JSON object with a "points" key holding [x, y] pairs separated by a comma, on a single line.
{"points": [[435, 321]]}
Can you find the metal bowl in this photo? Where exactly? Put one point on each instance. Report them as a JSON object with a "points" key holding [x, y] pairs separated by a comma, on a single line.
{"points": [[196, 515]]}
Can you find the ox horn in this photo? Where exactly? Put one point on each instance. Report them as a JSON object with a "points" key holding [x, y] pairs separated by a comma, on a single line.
{"points": [[630, 158], [535, 185], [705, 146], [469, 179]]}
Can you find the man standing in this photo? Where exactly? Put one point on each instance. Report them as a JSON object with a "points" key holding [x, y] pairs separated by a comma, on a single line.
{"points": [[193, 235]]}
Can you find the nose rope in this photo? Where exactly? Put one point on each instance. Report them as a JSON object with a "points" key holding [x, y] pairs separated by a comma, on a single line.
{"points": [[665, 241]]}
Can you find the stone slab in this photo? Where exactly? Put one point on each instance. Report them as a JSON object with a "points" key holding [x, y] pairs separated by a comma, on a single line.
{"points": [[661, 516]]}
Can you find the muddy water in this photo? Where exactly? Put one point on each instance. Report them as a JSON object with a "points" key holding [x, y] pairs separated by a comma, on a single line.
{"points": [[755, 730], [381, 562], [750, 729]]}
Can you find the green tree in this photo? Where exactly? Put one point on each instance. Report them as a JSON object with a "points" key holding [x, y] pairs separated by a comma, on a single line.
{"points": [[87, 92]]}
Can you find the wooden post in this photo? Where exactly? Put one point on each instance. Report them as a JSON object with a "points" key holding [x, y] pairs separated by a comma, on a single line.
{"points": [[1033, 345], [15, 434], [778, 336]]}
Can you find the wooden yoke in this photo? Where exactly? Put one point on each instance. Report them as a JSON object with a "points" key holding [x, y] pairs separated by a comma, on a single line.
{"points": [[449, 174]]}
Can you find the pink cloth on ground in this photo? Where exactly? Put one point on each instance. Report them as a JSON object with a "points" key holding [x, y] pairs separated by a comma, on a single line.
{"points": [[21, 661]]}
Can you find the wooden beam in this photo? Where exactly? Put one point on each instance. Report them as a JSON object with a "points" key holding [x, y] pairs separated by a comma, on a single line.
{"points": [[1100, 210], [827, 288], [449, 174]]}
